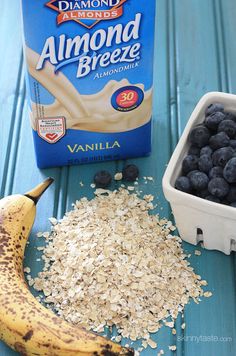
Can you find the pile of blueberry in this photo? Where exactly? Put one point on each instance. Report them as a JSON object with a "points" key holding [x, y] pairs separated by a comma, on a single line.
{"points": [[103, 179], [209, 169]]}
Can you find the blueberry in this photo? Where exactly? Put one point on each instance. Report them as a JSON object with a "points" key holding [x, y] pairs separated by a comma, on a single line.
{"points": [[205, 163], [218, 187], [214, 108], [221, 156], [230, 171], [191, 173], [216, 172], [199, 136], [231, 197], [219, 140], [130, 173], [198, 180], [183, 184], [203, 193], [102, 179], [230, 116], [206, 151], [194, 150], [233, 204], [213, 199], [213, 121], [232, 144], [229, 127], [190, 163]]}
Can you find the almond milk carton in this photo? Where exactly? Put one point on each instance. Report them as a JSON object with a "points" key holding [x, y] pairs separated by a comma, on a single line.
{"points": [[90, 78]]}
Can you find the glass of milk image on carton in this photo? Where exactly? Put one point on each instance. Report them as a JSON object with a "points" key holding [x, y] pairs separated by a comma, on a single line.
{"points": [[90, 79]]}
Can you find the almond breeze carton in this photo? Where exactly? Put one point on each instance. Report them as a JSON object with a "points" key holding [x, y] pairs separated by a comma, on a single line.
{"points": [[90, 78]]}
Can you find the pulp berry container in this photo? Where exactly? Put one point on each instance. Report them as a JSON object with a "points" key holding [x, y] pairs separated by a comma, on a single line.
{"points": [[198, 219]]}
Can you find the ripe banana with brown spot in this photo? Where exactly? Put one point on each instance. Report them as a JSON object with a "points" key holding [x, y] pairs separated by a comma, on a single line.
{"points": [[26, 325]]}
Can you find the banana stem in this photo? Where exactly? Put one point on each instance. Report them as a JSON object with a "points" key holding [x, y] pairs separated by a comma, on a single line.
{"points": [[36, 193]]}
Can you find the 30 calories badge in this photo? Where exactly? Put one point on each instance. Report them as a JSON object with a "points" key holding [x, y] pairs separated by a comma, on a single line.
{"points": [[127, 98], [51, 129]]}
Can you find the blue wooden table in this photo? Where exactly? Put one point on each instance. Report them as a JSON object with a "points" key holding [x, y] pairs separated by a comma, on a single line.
{"points": [[195, 53]]}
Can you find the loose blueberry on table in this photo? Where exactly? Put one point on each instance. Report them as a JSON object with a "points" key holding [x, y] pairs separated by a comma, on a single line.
{"points": [[102, 179], [209, 168], [130, 173]]}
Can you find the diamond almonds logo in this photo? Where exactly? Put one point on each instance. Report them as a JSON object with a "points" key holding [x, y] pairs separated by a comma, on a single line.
{"points": [[86, 12]]}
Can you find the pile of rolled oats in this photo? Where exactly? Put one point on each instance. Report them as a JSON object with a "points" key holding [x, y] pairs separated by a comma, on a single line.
{"points": [[110, 262]]}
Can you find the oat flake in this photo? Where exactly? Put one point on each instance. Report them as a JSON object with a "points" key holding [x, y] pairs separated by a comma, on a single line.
{"points": [[118, 176], [110, 262]]}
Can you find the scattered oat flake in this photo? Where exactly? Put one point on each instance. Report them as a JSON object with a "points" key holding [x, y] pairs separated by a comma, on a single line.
{"points": [[170, 324], [144, 344], [118, 176], [93, 185], [154, 328], [40, 248], [109, 262], [101, 191], [197, 253], [149, 198], [99, 329], [160, 353], [152, 343], [150, 178], [27, 270], [130, 187], [174, 331], [183, 326], [39, 234], [172, 348], [203, 282], [53, 221], [118, 339], [207, 294], [31, 282], [81, 184], [38, 259]]}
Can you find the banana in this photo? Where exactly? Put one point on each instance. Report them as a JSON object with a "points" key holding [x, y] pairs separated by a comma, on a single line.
{"points": [[26, 325]]}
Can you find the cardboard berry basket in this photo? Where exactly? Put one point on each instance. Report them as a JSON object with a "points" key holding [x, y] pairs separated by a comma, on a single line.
{"points": [[197, 219]]}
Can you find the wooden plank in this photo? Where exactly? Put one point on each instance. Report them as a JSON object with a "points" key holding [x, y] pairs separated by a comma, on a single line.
{"points": [[227, 9], [17, 152], [12, 86], [11, 92], [201, 68]]}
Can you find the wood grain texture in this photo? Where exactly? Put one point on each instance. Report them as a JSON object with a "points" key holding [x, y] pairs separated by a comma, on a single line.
{"points": [[195, 53]]}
